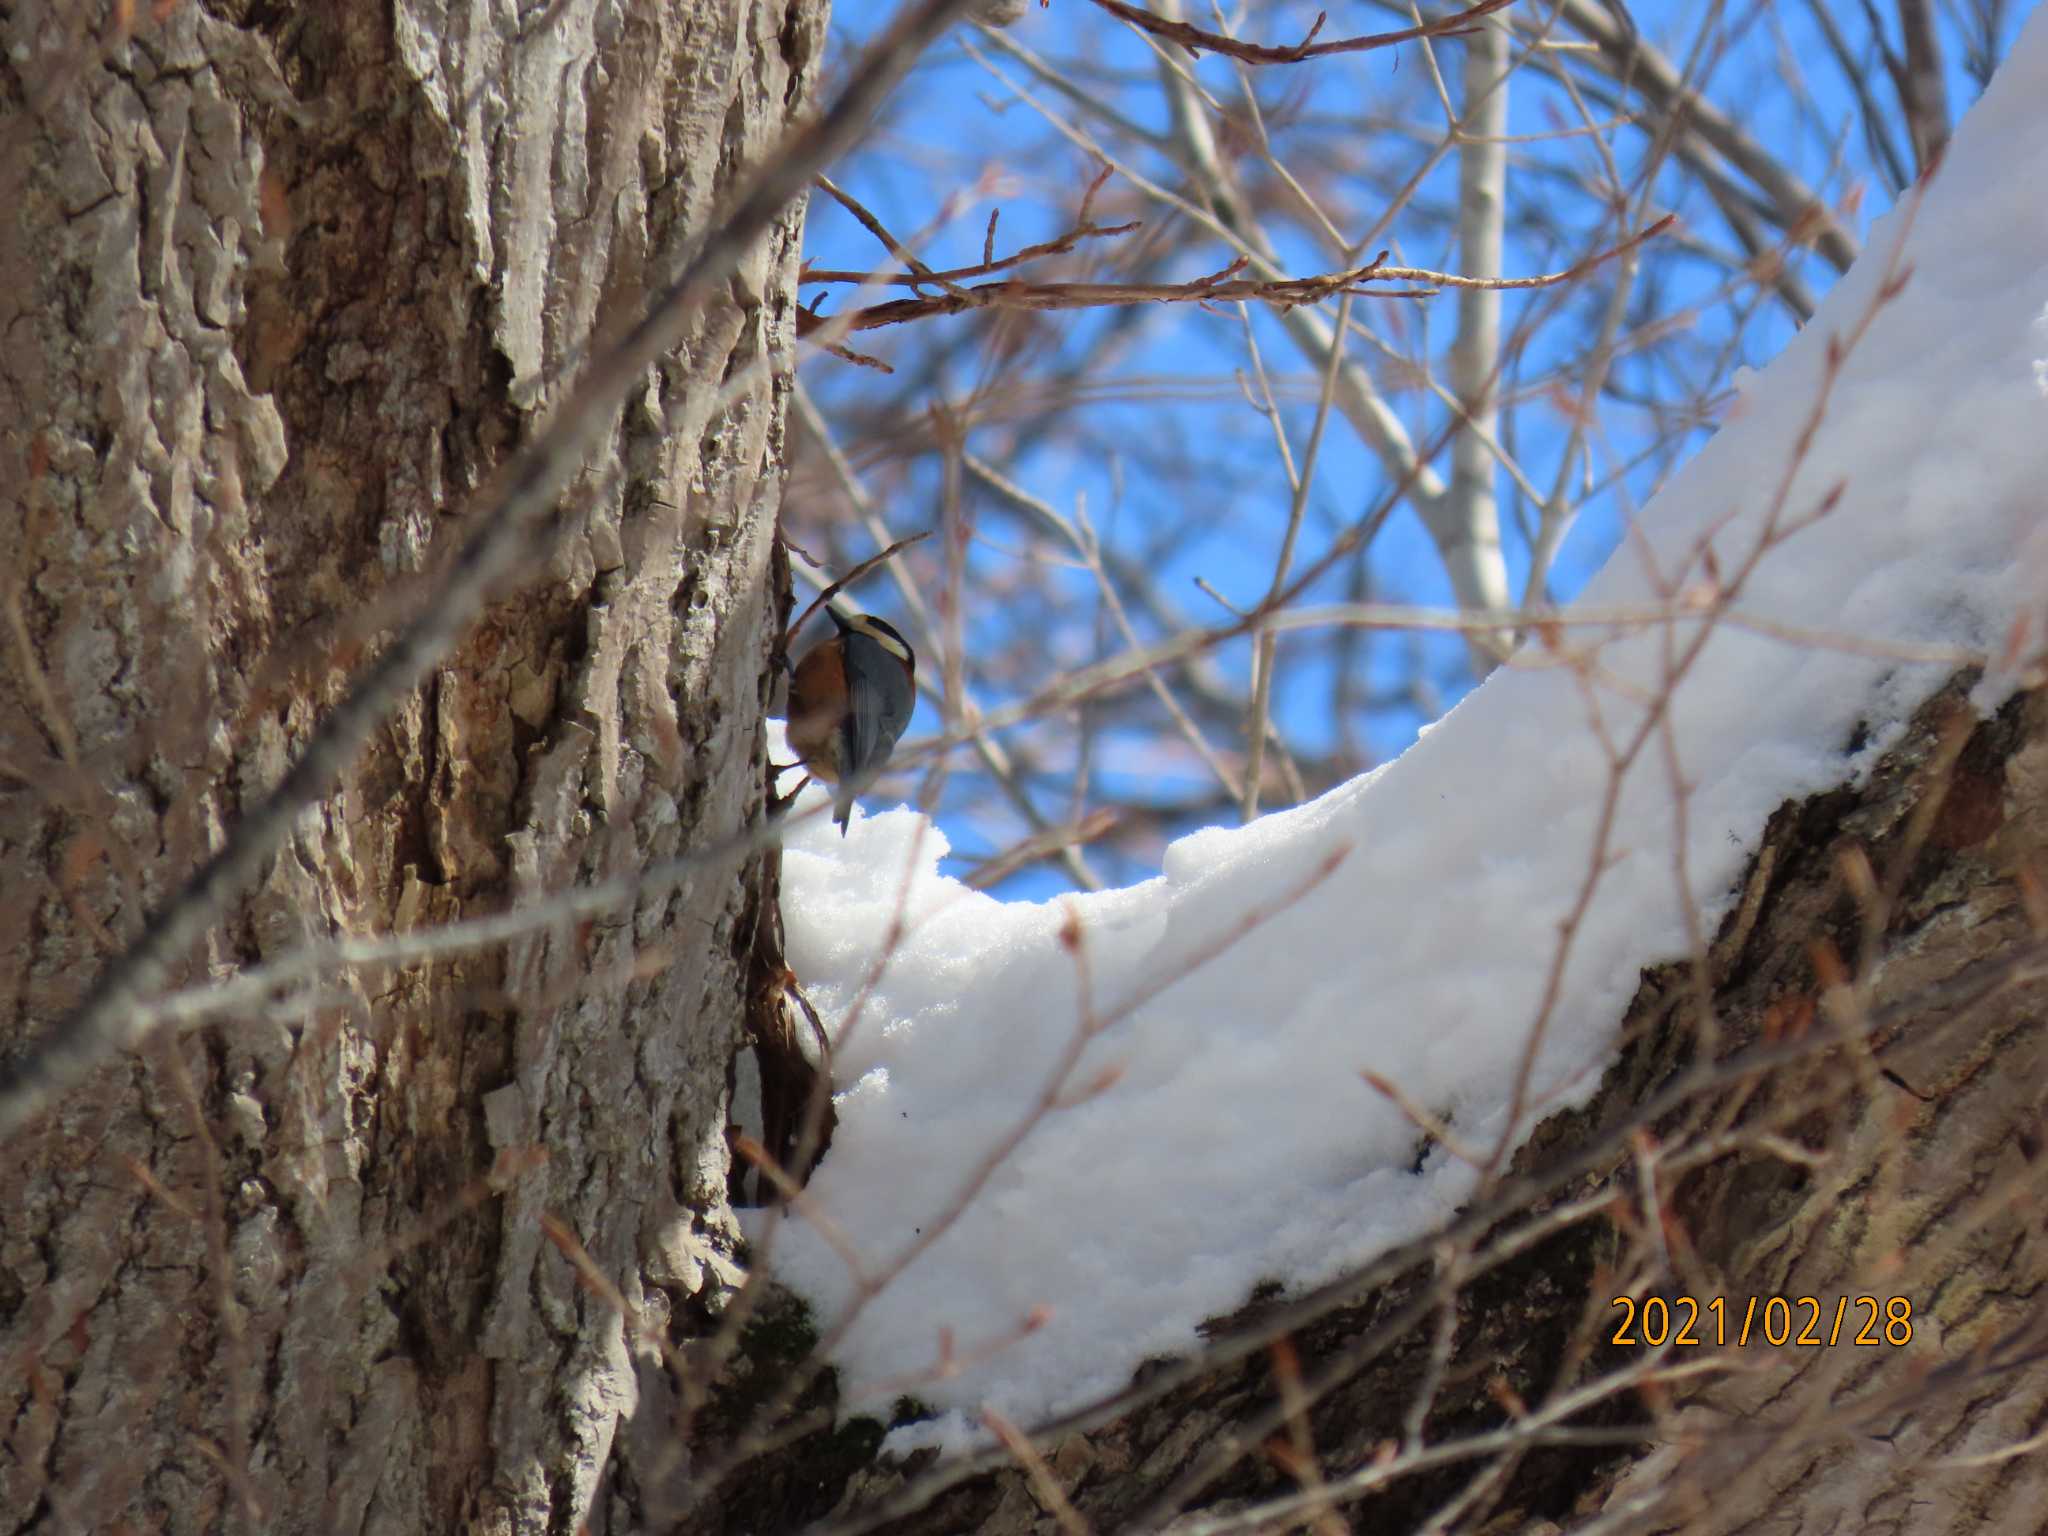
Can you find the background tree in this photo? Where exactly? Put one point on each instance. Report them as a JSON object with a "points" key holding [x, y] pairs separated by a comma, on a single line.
{"points": [[1089, 469]]}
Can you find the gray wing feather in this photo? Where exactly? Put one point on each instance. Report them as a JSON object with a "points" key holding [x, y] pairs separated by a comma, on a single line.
{"points": [[884, 698]]}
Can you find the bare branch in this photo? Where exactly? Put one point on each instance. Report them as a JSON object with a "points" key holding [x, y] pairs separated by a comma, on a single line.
{"points": [[1217, 288], [1476, 354], [1923, 91], [1195, 40]]}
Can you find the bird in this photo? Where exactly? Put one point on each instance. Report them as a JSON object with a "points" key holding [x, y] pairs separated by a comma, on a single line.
{"points": [[850, 699]]}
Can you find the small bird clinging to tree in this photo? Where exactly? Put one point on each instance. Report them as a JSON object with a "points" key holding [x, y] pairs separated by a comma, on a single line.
{"points": [[850, 699]]}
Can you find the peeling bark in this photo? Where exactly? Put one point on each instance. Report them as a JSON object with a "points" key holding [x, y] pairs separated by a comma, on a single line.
{"points": [[282, 290]]}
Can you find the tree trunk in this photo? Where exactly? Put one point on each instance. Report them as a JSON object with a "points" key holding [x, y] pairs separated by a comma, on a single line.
{"points": [[1809, 1139], [282, 287]]}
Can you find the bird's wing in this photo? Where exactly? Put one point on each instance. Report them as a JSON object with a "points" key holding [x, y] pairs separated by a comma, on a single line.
{"points": [[882, 692]]}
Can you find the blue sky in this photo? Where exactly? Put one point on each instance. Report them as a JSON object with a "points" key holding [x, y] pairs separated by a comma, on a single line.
{"points": [[1191, 488]]}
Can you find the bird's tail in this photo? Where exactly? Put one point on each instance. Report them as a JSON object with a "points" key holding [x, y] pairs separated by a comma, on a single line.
{"points": [[842, 807]]}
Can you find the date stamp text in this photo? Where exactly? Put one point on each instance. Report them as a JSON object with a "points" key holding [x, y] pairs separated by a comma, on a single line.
{"points": [[1872, 1321]]}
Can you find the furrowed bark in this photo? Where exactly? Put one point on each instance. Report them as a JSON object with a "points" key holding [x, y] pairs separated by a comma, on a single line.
{"points": [[285, 292]]}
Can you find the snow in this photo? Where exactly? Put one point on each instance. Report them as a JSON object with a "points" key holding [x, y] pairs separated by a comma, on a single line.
{"points": [[1231, 1137]]}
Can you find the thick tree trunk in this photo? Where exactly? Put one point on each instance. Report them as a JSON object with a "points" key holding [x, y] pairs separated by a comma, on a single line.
{"points": [[282, 287], [1793, 1138]]}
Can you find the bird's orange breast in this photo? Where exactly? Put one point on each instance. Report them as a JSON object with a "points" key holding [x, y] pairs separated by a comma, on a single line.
{"points": [[817, 707]]}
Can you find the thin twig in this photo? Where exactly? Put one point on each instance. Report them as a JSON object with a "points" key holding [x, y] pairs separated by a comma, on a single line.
{"points": [[1196, 40], [1217, 288], [828, 593]]}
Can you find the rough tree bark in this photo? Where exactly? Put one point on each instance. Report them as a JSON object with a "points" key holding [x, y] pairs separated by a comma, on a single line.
{"points": [[1924, 1105], [282, 286]]}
